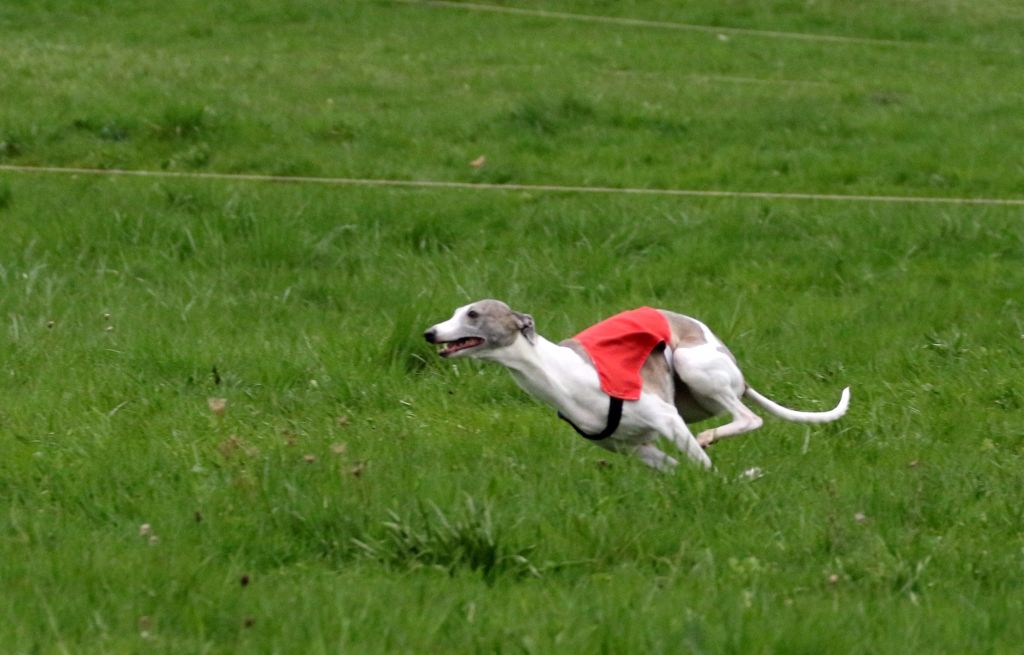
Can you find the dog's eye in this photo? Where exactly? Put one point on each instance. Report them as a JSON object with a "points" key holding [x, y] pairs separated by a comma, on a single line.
{"points": [[472, 313]]}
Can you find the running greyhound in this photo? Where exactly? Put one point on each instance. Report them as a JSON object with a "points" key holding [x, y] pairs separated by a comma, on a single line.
{"points": [[625, 381]]}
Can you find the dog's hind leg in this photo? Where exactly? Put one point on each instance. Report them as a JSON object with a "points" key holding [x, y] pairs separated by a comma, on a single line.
{"points": [[716, 381], [743, 420]]}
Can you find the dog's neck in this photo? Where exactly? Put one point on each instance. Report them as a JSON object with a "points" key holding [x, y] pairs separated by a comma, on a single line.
{"points": [[548, 371]]}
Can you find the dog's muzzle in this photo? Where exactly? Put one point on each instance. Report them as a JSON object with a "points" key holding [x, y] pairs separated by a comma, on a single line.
{"points": [[449, 348]]}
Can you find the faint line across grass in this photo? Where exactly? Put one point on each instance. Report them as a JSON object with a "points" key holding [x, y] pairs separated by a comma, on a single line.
{"points": [[483, 186], [669, 25]]}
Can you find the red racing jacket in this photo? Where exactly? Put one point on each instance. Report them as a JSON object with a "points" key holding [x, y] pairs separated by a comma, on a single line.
{"points": [[619, 346]]}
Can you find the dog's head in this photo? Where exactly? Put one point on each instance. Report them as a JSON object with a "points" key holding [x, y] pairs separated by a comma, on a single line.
{"points": [[479, 329]]}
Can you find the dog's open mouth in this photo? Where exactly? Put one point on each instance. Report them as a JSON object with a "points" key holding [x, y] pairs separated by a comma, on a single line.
{"points": [[449, 348]]}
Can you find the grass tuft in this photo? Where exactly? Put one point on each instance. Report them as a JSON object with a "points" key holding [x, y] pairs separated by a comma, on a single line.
{"points": [[184, 123], [11, 146], [546, 117], [428, 537], [105, 130]]}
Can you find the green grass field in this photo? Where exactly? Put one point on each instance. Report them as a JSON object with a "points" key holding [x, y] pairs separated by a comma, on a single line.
{"points": [[357, 494]]}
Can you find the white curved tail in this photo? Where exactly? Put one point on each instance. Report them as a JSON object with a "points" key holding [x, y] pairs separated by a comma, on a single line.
{"points": [[801, 417]]}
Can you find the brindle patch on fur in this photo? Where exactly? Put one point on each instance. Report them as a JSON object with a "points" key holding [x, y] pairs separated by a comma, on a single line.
{"points": [[686, 332], [656, 374]]}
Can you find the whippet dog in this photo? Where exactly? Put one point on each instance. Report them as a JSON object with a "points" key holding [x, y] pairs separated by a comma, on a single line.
{"points": [[690, 378]]}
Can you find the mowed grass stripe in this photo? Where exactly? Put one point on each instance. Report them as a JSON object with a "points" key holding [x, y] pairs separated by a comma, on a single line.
{"points": [[483, 186], [611, 109]]}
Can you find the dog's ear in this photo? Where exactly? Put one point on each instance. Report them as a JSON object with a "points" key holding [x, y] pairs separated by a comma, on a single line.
{"points": [[524, 323]]}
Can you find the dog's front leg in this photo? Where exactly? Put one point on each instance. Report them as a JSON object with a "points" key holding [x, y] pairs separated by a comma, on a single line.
{"points": [[647, 453], [687, 443], [652, 456], [669, 424]]}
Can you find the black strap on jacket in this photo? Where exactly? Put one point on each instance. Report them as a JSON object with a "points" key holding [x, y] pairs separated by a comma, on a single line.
{"points": [[614, 416]]}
